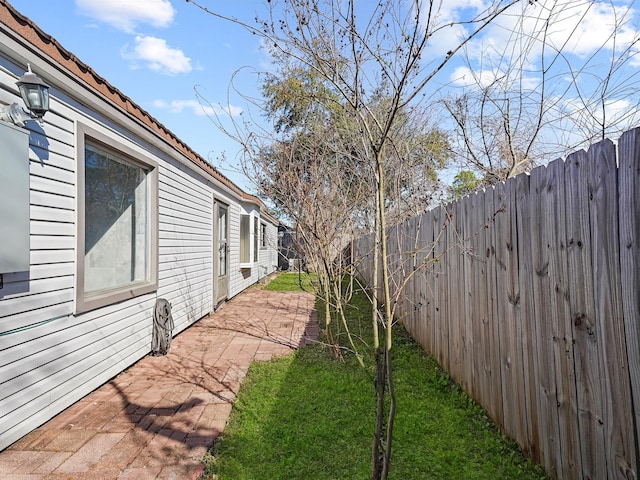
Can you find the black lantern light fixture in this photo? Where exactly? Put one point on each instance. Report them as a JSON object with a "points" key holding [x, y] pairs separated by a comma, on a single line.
{"points": [[35, 94]]}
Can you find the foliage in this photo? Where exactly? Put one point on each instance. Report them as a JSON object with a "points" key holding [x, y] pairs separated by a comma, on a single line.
{"points": [[318, 160], [309, 416], [464, 183]]}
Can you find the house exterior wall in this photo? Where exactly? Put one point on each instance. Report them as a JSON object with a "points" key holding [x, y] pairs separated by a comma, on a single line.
{"points": [[241, 278], [51, 355], [269, 252]]}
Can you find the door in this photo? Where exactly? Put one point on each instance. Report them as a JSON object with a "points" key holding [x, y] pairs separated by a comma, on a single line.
{"points": [[221, 260]]}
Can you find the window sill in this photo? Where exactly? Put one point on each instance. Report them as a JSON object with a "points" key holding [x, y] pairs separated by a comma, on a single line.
{"points": [[85, 303]]}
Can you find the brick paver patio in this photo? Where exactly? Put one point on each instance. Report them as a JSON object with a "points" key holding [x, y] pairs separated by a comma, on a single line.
{"points": [[157, 419]]}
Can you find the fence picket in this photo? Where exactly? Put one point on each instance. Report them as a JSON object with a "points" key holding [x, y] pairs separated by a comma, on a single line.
{"points": [[439, 239], [563, 342], [582, 315], [467, 326], [508, 293], [629, 185], [426, 301], [451, 261], [478, 312], [413, 243], [491, 346], [542, 181], [530, 335], [603, 211]]}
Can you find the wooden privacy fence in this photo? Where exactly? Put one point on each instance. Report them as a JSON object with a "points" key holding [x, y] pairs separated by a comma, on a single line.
{"points": [[528, 294]]}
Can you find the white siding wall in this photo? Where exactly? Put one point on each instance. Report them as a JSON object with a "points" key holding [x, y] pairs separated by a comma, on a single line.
{"points": [[235, 275], [50, 357], [269, 255], [185, 244]]}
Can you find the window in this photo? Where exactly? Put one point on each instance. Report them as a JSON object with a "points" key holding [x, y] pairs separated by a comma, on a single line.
{"points": [[245, 239], [263, 235], [249, 240], [255, 238], [222, 240], [117, 222]]}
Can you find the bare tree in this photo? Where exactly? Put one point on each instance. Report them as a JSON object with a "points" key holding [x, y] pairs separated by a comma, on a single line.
{"points": [[371, 54], [545, 86]]}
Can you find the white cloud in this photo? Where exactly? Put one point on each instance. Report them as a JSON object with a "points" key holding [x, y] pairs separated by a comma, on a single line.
{"points": [[587, 27], [465, 77], [451, 10], [177, 106], [616, 112], [444, 23], [580, 125], [126, 14], [586, 33], [158, 56], [577, 28]]}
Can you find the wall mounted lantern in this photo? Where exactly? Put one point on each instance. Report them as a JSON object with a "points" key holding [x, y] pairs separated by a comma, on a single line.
{"points": [[35, 94]]}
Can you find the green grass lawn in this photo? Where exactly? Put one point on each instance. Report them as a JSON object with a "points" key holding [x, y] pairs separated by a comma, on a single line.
{"points": [[291, 282], [309, 416]]}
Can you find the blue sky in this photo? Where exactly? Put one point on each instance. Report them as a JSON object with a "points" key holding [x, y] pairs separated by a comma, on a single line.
{"points": [[158, 52]]}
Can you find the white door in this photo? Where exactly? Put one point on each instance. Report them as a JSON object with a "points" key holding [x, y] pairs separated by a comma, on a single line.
{"points": [[221, 260]]}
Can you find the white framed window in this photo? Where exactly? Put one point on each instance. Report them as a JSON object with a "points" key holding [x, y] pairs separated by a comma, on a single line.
{"points": [[249, 239], [117, 237], [263, 236], [245, 241], [256, 223]]}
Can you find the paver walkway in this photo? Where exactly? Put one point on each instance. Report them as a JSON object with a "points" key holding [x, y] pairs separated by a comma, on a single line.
{"points": [[157, 419]]}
